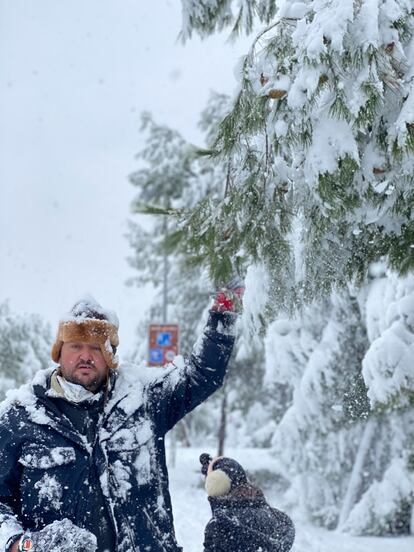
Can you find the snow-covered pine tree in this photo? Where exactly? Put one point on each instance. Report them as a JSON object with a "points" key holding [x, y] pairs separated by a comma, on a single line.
{"points": [[173, 175], [320, 141], [208, 16], [24, 347], [387, 504], [319, 353], [254, 406], [349, 461]]}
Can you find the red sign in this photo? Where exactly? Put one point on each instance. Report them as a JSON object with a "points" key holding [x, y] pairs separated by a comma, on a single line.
{"points": [[163, 343]]}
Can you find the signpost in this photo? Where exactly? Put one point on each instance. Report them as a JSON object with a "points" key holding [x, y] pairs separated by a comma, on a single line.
{"points": [[163, 343]]}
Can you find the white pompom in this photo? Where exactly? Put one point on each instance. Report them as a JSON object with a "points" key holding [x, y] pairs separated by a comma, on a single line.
{"points": [[217, 483]]}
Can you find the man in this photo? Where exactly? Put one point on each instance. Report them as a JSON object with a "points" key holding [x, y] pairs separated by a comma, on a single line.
{"points": [[82, 457]]}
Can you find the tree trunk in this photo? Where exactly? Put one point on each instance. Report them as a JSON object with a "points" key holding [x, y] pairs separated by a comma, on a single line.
{"points": [[173, 448], [352, 494], [223, 422], [185, 427]]}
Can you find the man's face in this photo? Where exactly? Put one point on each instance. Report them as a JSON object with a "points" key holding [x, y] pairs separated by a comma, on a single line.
{"points": [[84, 364]]}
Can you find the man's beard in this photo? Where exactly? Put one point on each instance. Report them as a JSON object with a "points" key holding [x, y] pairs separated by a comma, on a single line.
{"points": [[93, 386]]}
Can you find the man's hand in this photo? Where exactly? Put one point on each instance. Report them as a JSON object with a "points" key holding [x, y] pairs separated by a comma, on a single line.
{"points": [[229, 297], [60, 536]]}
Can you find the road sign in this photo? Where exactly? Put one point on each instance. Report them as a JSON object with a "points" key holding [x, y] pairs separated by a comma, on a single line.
{"points": [[163, 343], [156, 356]]}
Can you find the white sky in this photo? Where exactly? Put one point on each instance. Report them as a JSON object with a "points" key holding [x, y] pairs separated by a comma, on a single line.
{"points": [[74, 77]]}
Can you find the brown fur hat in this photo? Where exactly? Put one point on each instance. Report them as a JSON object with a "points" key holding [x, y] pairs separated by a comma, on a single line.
{"points": [[87, 322]]}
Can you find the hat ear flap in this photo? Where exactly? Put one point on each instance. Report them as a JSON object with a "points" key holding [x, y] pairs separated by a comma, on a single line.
{"points": [[56, 349], [217, 483]]}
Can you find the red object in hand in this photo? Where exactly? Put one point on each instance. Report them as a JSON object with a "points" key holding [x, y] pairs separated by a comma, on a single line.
{"points": [[229, 299], [223, 303]]}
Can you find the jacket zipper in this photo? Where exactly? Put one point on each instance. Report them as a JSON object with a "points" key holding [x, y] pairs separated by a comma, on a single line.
{"points": [[131, 536], [98, 481], [129, 528], [160, 537]]}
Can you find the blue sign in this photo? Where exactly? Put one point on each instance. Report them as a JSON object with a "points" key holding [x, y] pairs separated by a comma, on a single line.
{"points": [[164, 339], [156, 355]]}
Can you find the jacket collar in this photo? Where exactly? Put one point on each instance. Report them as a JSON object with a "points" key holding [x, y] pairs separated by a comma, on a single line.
{"points": [[125, 397], [72, 392]]}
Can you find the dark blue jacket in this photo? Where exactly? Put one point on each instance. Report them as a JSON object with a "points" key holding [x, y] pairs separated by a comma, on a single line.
{"points": [[247, 524], [49, 470]]}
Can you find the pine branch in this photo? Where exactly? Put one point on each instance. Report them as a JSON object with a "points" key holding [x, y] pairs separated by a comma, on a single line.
{"points": [[146, 209]]}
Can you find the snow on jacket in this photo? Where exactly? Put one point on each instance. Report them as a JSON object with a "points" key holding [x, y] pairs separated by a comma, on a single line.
{"points": [[247, 524], [49, 471]]}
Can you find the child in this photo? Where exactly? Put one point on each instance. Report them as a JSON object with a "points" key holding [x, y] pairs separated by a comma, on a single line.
{"points": [[242, 519]]}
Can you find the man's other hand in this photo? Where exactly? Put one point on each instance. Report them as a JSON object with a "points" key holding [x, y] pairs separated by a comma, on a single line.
{"points": [[59, 536]]}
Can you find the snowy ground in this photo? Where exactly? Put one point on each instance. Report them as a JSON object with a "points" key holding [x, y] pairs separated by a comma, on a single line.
{"points": [[192, 511]]}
